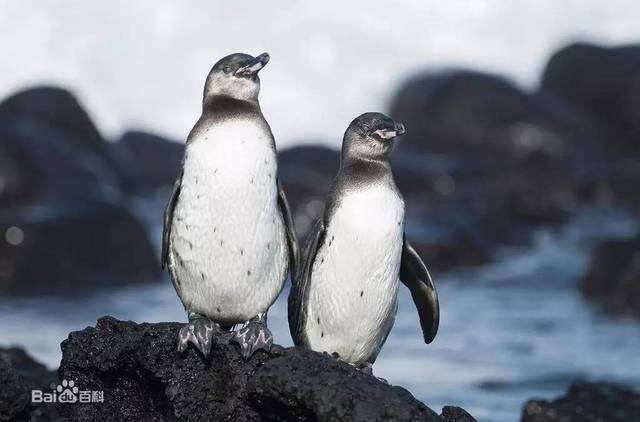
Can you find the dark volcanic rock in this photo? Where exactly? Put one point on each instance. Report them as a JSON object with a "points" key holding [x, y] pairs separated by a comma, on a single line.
{"points": [[20, 178], [465, 111], [19, 374], [55, 108], [150, 160], [587, 402], [525, 156], [15, 394], [488, 162], [27, 367], [306, 173], [604, 82], [614, 276], [144, 377], [456, 414], [50, 131], [69, 248], [64, 222]]}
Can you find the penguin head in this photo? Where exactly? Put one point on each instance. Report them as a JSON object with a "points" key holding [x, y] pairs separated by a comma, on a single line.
{"points": [[236, 76], [371, 135]]}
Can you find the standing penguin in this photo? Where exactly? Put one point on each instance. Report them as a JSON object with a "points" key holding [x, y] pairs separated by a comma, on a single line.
{"points": [[344, 298], [228, 236]]}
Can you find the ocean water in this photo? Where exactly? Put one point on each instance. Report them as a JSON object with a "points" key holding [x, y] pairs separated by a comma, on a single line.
{"points": [[510, 330]]}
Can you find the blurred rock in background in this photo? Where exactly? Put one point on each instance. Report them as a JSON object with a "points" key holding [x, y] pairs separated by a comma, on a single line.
{"points": [[151, 161], [604, 83], [614, 276], [65, 220], [587, 402]]}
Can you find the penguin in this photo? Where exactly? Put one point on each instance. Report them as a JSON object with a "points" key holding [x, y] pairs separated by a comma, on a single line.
{"points": [[229, 239], [345, 295]]}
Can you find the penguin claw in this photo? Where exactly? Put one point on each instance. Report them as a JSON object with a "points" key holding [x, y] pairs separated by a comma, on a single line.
{"points": [[252, 337], [199, 333]]}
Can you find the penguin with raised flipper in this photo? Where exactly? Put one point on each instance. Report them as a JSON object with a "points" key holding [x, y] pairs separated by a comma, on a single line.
{"points": [[345, 297]]}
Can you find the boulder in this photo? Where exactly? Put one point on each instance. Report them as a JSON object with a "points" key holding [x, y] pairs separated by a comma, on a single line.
{"points": [[20, 178], [68, 248], [527, 154], [27, 367], [587, 402], [486, 115], [306, 173], [488, 162], [53, 133], [36, 171], [456, 414], [142, 376], [604, 82], [613, 279], [54, 108], [19, 375], [150, 160]]}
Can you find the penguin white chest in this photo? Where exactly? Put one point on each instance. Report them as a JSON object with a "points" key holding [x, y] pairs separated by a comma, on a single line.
{"points": [[228, 246], [354, 283]]}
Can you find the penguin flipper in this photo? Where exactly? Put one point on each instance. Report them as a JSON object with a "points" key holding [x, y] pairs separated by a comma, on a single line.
{"points": [[298, 296], [414, 275], [292, 240], [168, 219]]}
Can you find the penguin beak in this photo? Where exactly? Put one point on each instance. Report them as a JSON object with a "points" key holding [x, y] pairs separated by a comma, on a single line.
{"points": [[254, 66], [391, 132]]}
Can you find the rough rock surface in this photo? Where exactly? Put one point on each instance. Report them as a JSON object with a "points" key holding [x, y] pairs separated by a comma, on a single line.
{"points": [[27, 367], [143, 376], [19, 374], [587, 402], [614, 276], [456, 414]]}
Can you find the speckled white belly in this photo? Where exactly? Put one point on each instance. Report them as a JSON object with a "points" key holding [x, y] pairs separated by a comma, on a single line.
{"points": [[353, 289], [228, 244]]}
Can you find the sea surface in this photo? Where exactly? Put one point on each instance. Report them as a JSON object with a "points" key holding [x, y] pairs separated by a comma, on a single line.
{"points": [[510, 331]]}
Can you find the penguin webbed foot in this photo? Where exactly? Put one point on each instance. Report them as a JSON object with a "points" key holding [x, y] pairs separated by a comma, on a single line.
{"points": [[253, 336], [199, 332]]}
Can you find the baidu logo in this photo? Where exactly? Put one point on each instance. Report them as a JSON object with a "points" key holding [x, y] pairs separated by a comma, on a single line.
{"points": [[67, 392]]}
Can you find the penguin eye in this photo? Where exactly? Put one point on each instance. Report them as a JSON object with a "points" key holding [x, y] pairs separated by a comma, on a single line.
{"points": [[226, 69]]}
